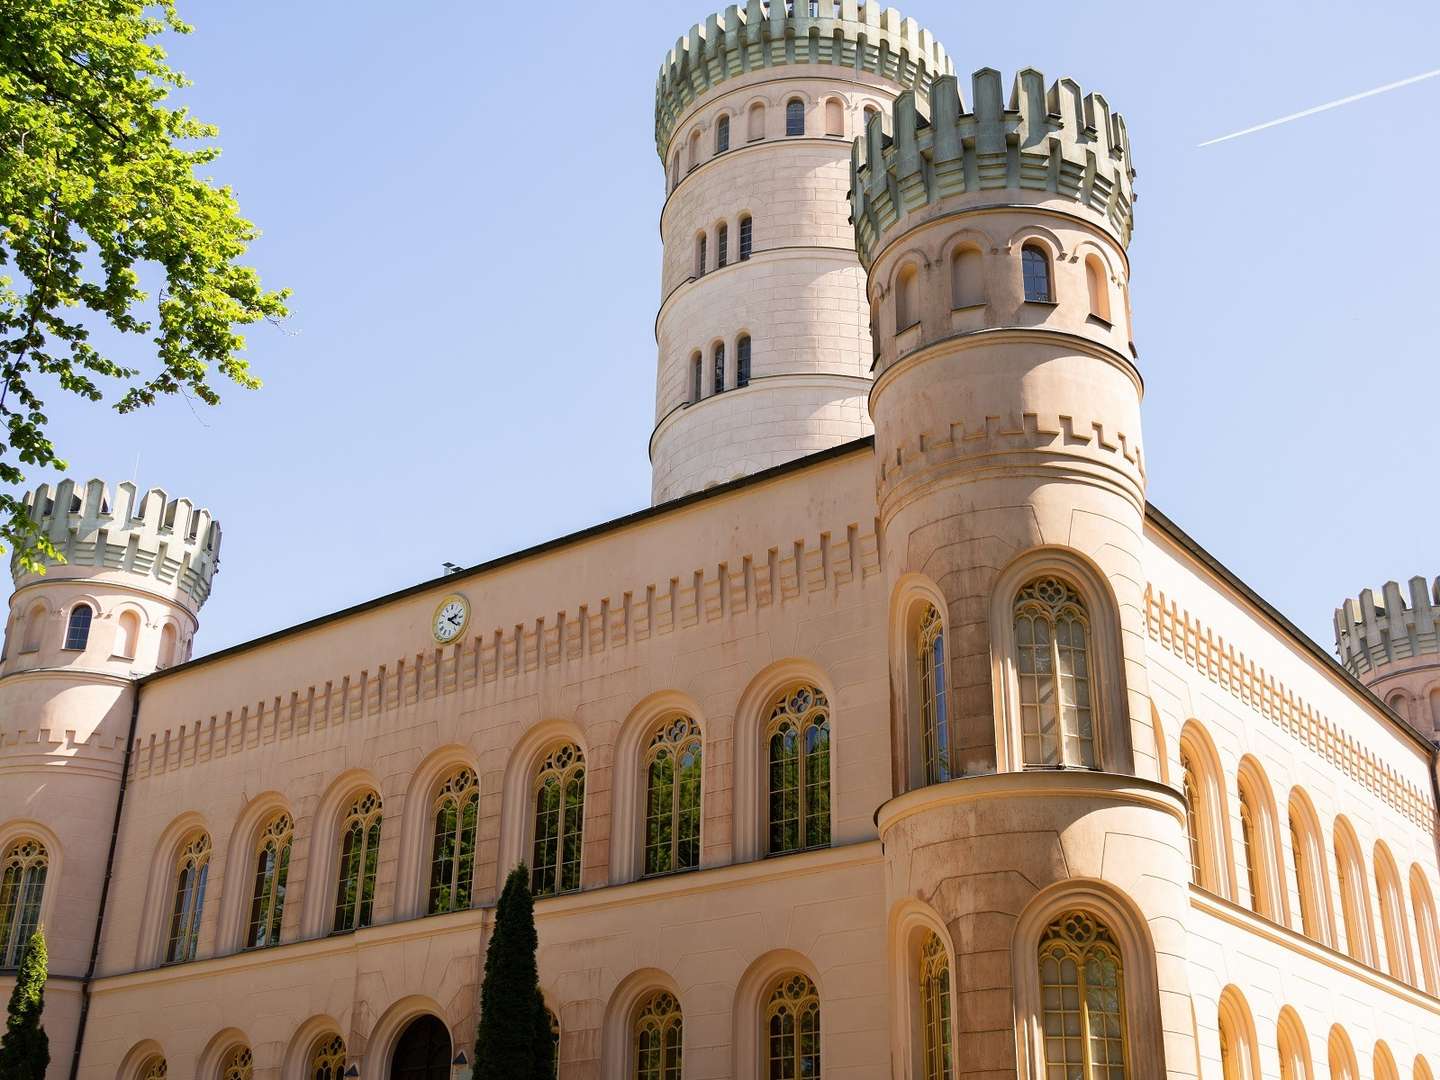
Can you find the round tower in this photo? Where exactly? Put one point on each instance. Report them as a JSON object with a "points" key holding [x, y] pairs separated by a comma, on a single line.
{"points": [[764, 348], [1029, 812], [1393, 647], [123, 603]]}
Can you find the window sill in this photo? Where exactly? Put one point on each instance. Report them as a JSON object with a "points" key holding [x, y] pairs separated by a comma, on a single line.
{"points": [[970, 307], [660, 874], [1097, 320], [799, 851], [1043, 303]]}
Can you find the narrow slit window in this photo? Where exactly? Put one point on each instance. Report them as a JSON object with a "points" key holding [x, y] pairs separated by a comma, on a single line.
{"points": [[718, 384], [742, 362], [697, 374], [722, 245], [747, 238], [701, 255], [934, 716]]}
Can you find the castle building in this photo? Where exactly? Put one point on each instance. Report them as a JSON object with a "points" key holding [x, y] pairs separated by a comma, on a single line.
{"points": [[900, 738]]}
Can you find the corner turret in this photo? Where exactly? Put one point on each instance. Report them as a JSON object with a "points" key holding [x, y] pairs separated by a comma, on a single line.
{"points": [[1392, 645]]}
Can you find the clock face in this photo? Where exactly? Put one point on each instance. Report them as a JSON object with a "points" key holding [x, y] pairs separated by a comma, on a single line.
{"points": [[452, 618]]}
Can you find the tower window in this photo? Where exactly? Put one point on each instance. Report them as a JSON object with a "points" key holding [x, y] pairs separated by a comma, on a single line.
{"points": [[1095, 282], [722, 135], [127, 634], [747, 240], [22, 885], [34, 628], [722, 245], [967, 285], [697, 374], [701, 255], [719, 381], [1036, 266], [1052, 640], [934, 717], [795, 117], [935, 1009], [694, 149], [755, 123], [742, 361], [77, 631], [907, 298], [835, 117], [1083, 989]]}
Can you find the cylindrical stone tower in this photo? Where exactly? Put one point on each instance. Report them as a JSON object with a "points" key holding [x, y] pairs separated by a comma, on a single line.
{"points": [[122, 604], [1391, 643], [764, 347], [1011, 492]]}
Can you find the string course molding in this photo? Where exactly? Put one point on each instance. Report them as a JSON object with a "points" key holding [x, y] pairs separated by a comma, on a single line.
{"points": [[1060, 141], [760, 35]]}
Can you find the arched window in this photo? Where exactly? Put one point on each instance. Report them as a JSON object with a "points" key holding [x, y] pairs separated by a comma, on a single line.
{"points": [[659, 1038], [1256, 842], [1385, 1068], [795, 117], [1238, 1059], [1191, 789], [192, 869], [870, 114], [835, 117], [742, 361], [1304, 851], [238, 1064], [168, 640], [423, 1052], [34, 628], [1341, 1056], [1354, 896], [327, 1059], [1293, 1049], [455, 813], [153, 1069], [1399, 703], [1052, 640], [967, 283], [272, 867], [722, 134], [359, 859], [1098, 286], [22, 887], [1035, 264], [694, 148], [935, 1009], [907, 297], [702, 259], [559, 819], [127, 634], [697, 376], [799, 757], [673, 764], [1082, 985], [755, 122], [1426, 933], [747, 238], [718, 367], [77, 630], [792, 1029], [934, 708], [1394, 926], [722, 245]]}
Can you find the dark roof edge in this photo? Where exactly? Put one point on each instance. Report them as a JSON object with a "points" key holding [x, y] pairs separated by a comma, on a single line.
{"points": [[649, 513], [1306, 643]]}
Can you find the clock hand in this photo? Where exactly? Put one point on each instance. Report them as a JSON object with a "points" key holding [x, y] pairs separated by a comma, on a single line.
{"points": [[454, 619]]}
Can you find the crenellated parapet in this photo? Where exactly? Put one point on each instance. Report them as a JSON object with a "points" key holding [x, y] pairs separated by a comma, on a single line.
{"points": [[1371, 632], [172, 542], [859, 37], [1059, 141]]}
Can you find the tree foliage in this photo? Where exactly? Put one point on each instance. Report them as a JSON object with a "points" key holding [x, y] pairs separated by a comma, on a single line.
{"points": [[513, 1041], [25, 1048], [100, 185]]}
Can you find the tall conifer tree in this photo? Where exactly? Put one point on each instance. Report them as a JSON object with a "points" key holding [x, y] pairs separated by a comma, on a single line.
{"points": [[513, 1041], [25, 1048]]}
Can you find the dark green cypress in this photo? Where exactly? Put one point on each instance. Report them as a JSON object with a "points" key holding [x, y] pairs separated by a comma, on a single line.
{"points": [[25, 1048], [509, 1043]]}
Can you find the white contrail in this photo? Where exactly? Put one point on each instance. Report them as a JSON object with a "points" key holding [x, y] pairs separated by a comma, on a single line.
{"points": [[1322, 108]]}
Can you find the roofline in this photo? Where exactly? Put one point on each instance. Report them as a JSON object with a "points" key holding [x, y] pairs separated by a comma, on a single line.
{"points": [[1297, 636], [614, 525]]}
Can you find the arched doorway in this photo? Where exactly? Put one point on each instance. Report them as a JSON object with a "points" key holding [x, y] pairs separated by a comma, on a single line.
{"points": [[423, 1052]]}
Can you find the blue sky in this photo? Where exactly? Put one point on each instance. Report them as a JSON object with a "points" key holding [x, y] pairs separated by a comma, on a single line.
{"points": [[432, 179]]}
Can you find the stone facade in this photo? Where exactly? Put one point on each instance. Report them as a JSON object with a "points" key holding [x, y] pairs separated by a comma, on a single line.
{"points": [[1050, 746]]}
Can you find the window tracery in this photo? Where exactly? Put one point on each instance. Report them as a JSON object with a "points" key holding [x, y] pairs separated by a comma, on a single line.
{"points": [[673, 763], [327, 1059], [359, 860], [238, 1065], [935, 1008], [798, 736], [272, 869], [659, 1038], [22, 887], [559, 821], [192, 869], [934, 714], [1083, 997], [792, 1029], [455, 812], [154, 1069], [1052, 640]]}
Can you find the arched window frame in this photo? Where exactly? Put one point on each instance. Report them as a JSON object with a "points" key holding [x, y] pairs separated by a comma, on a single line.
{"points": [[1211, 814], [1310, 876], [357, 861], [1292, 1047], [1239, 1054], [238, 1064], [169, 646], [967, 275], [153, 1068], [23, 872], [907, 295], [1042, 669], [1037, 272], [722, 245], [936, 1013], [1259, 841], [722, 133], [558, 814], [755, 122], [657, 1036], [127, 634], [791, 1028], [697, 376], [1384, 1062], [676, 739], [930, 726], [187, 893], [77, 627], [455, 820], [717, 367], [34, 631], [743, 348], [1353, 885], [1341, 1056], [702, 258], [1097, 286], [802, 711], [694, 161], [1078, 941], [1427, 932], [747, 237], [795, 117], [271, 872], [326, 1060], [834, 118], [1394, 923]]}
